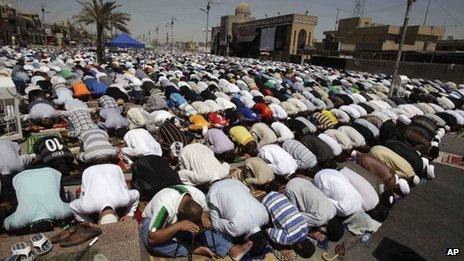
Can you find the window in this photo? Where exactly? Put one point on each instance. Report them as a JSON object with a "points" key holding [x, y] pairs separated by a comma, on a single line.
{"points": [[301, 39]]}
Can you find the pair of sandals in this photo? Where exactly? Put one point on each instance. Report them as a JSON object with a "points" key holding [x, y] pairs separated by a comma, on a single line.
{"points": [[41, 246]]}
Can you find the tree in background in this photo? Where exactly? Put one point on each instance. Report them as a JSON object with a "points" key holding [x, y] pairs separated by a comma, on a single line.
{"points": [[105, 16]]}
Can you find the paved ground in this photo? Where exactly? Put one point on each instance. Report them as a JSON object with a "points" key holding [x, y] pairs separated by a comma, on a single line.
{"points": [[430, 219]]}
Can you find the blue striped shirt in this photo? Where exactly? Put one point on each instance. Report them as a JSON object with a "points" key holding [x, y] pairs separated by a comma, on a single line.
{"points": [[289, 226]]}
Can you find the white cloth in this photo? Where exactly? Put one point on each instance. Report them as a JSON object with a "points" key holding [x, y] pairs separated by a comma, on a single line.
{"points": [[199, 165], [282, 131], [341, 138], [365, 189], [213, 106], [333, 144], [247, 101], [280, 161], [359, 223], [234, 210], [278, 112], [104, 186], [225, 104], [357, 140], [339, 190], [140, 143]]}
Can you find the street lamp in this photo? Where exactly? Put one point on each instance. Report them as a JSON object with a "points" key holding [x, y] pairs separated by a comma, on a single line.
{"points": [[395, 83], [156, 30], [208, 8]]}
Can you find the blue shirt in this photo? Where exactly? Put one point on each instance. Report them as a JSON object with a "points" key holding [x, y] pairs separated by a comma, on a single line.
{"points": [[96, 87], [247, 114], [177, 99], [38, 193], [289, 226]]}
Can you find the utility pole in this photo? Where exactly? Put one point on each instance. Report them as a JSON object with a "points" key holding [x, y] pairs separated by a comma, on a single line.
{"points": [[172, 32], [336, 19], [395, 84], [157, 38], [44, 10], [208, 9], [426, 12]]}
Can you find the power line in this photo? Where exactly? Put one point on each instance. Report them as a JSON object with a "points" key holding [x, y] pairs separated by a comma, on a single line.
{"points": [[448, 12], [386, 9]]}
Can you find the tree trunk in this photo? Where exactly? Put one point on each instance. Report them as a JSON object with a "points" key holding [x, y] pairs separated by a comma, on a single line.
{"points": [[100, 46]]}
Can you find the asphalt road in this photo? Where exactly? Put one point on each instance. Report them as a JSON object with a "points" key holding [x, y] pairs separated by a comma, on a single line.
{"points": [[429, 220]]}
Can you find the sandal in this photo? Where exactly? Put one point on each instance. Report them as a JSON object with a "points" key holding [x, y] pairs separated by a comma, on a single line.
{"points": [[23, 251], [41, 244], [281, 257]]}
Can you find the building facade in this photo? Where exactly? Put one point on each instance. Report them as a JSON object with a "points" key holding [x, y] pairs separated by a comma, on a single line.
{"points": [[285, 37], [27, 28], [18, 28], [360, 34]]}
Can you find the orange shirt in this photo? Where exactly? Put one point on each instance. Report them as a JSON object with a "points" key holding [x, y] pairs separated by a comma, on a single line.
{"points": [[80, 90]]}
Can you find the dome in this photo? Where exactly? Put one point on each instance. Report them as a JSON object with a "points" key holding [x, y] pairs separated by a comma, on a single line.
{"points": [[242, 9]]}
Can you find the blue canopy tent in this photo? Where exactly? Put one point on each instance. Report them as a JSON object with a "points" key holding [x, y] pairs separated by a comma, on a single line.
{"points": [[124, 41]]}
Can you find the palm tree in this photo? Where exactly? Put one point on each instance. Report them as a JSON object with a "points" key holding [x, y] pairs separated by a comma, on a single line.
{"points": [[105, 17]]}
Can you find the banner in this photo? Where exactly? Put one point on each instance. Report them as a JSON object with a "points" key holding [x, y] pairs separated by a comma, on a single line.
{"points": [[267, 39], [246, 35]]}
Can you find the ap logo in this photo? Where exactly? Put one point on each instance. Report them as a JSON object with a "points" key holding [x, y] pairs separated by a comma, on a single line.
{"points": [[452, 252]]}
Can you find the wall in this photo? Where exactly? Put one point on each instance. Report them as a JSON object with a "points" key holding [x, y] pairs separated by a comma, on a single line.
{"points": [[443, 72], [431, 71]]}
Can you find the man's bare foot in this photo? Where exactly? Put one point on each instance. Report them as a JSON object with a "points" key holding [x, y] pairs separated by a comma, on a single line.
{"points": [[258, 194], [317, 235], [238, 251], [203, 251], [288, 254], [6, 205]]}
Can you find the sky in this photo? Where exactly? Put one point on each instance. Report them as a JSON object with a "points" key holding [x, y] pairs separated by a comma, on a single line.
{"points": [[147, 14]]}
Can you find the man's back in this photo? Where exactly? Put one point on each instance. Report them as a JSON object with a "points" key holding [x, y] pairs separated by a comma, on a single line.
{"points": [[38, 193], [339, 190], [104, 185], [234, 210], [315, 206]]}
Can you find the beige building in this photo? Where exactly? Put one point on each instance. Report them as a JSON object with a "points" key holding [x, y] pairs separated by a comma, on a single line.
{"points": [[285, 37], [360, 34]]}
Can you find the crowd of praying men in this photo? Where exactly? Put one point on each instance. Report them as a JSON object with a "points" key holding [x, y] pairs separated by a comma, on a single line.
{"points": [[240, 155]]}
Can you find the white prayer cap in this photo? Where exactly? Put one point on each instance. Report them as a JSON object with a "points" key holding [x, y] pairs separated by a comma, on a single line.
{"points": [[403, 119], [430, 171], [403, 185], [108, 219]]}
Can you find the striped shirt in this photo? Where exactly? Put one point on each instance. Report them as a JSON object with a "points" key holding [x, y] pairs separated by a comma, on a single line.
{"points": [[95, 145], [169, 133], [289, 226], [323, 122], [302, 155]]}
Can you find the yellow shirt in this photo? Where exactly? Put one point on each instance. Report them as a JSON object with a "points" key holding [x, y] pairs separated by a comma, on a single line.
{"points": [[331, 116], [390, 158], [198, 122], [240, 135]]}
